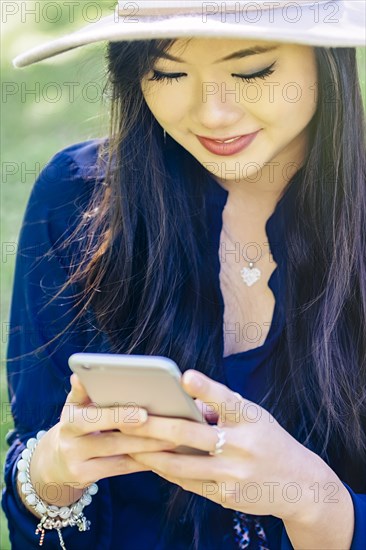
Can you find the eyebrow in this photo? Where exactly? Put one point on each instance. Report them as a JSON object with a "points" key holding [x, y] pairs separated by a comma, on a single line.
{"points": [[236, 55]]}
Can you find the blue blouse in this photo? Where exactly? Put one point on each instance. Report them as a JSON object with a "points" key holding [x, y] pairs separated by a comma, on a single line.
{"points": [[127, 510]]}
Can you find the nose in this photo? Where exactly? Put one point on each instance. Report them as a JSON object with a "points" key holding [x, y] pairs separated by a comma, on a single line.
{"points": [[217, 107]]}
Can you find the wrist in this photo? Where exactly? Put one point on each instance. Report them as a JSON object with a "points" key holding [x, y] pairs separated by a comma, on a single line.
{"points": [[327, 519], [52, 516], [46, 475], [319, 485]]}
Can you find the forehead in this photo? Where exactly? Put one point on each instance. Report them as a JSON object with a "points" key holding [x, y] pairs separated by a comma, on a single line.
{"points": [[213, 50]]}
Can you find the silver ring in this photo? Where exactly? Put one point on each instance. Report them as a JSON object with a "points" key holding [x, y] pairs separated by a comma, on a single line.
{"points": [[220, 441]]}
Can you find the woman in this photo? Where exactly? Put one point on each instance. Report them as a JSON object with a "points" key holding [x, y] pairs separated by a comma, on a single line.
{"points": [[144, 244]]}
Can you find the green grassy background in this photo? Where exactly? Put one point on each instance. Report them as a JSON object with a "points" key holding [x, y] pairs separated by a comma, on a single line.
{"points": [[34, 128], [37, 125]]}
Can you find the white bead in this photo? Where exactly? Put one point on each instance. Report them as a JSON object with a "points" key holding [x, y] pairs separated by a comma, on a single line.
{"points": [[27, 489], [65, 523], [31, 443], [58, 524], [53, 511], [86, 499], [93, 489], [40, 434], [78, 508], [22, 476], [22, 465], [26, 454], [41, 508], [31, 499], [65, 512]]}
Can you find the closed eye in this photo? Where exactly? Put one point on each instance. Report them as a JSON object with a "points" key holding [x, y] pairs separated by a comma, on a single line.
{"points": [[265, 73], [169, 77]]}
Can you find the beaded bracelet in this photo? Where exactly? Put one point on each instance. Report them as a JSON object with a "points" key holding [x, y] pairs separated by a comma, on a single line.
{"points": [[53, 517]]}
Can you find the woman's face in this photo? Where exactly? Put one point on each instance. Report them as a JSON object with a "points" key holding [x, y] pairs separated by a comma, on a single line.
{"points": [[208, 98]]}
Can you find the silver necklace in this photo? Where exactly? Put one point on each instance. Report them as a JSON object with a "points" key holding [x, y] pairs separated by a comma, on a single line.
{"points": [[251, 274]]}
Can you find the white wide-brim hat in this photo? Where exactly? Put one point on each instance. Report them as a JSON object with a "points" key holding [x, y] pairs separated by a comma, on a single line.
{"points": [[327, 23]]}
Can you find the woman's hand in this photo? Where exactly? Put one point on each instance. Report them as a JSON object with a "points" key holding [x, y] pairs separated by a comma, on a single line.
{"points": [[262, 469], [88, 444]]}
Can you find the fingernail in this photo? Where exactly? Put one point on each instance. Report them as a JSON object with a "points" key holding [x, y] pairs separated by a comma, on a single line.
{"points": [[142, 415], [194, 381]]}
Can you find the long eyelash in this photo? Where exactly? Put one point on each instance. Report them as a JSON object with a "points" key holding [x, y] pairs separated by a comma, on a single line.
{"points": [[158, 76], [169, 77], [261, 74]]}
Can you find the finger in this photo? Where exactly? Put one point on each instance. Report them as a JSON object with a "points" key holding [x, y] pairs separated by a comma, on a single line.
{"points": [[115, 443], [186, 466], [205, 488], [207, 411], [93, 418], [229, 405], [99, 468], [179, 431], [77, 394]]}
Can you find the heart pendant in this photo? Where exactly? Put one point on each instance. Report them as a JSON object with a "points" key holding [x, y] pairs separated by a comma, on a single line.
{"points": [[250, 275]]}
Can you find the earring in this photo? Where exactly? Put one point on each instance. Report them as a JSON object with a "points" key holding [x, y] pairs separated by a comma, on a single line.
{"points": [[164, 137]]}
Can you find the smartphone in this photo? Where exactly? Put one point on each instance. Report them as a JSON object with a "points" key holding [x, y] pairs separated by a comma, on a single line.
{"points": [[148, 381]]}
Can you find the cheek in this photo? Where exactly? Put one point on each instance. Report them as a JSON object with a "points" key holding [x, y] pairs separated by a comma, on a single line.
{"points": [[289, 104], [302, 110], [299, 93], [166, 102]]}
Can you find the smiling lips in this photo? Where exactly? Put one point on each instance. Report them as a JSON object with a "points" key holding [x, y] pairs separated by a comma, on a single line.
{"points": [[229, 146]]}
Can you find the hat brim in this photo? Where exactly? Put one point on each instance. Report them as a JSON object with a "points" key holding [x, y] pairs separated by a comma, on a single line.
{"points": [[346, 30]]}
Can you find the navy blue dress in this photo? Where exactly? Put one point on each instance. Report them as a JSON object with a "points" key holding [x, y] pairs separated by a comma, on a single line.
{"points": [[127, 511]]}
